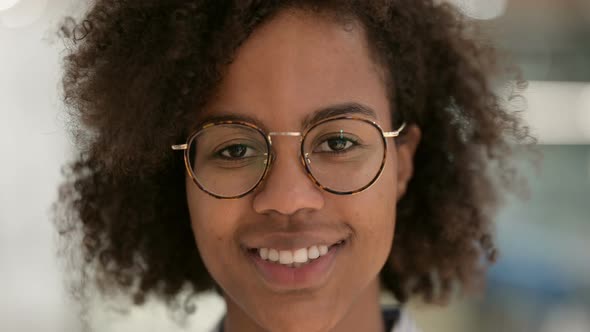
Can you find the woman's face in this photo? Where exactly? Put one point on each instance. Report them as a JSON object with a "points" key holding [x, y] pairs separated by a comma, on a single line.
{"points": [[288, 69]]}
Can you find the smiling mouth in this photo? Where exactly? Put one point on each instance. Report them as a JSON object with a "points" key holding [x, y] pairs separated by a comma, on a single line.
{"points": [[294, 258], [309, 267]]}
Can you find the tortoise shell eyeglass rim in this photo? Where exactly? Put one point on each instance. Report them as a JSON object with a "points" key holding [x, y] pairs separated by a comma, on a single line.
{"points": [[270, 155]]}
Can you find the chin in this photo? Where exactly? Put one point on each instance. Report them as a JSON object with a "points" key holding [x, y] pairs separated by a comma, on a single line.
{"points": [[286, 320], [299, 326]]}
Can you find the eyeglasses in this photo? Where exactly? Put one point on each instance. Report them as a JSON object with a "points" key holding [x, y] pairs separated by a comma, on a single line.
{"points": [[342, 155]]}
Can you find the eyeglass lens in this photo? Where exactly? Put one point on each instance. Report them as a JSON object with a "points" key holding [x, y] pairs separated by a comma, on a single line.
{"points": [[342, 155]]}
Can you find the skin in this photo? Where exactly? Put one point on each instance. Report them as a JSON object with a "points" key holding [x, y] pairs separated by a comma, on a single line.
{"points": [[289, 67]]}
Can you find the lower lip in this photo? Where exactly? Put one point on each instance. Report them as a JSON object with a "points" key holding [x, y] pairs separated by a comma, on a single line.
{"points": [[310, 275]]}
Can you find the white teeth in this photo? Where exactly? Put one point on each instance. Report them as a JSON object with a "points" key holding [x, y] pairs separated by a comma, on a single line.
{"points": [[294, 258], [300, 255], [273, 255], [313, 252], [285, 257]]}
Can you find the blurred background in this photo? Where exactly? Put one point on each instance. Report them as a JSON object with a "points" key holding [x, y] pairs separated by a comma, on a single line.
{"points": [[541, 282]]}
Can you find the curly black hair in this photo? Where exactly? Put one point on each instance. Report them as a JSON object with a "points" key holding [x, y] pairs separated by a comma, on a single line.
{"points": [[137, 71]]}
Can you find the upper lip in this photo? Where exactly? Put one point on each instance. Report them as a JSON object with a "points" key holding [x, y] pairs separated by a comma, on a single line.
{"points": [[293, 241]]}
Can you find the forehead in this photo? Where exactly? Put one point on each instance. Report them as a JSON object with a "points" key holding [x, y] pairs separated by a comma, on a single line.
{"points": [[296, 64]]}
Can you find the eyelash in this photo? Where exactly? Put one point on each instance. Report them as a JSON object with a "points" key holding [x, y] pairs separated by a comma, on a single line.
{"points": [[219, 153], [355, 143]]}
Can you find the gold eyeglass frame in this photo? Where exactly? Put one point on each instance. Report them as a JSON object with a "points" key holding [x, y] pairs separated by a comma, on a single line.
{"points": [[271, 154]]}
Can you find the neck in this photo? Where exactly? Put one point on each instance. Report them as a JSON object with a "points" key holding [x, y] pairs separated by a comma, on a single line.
{"points": [[364, 315]]}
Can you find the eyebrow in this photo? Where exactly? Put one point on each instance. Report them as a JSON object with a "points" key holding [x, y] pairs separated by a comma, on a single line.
{"points": [[338, 110], [351, 108]]}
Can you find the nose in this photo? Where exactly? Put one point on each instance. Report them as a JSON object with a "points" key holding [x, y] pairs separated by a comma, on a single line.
{"points": [[287, 189]]}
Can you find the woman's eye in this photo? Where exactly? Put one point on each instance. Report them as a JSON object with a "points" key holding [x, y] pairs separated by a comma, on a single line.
{"points": [[236, 151], [336, 144]]}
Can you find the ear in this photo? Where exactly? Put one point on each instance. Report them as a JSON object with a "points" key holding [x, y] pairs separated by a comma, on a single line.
{"points": [[406, 146]]}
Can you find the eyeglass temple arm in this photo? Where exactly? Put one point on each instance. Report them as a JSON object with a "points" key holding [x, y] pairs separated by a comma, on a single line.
{"points": [[395, 133], [179, 147]]}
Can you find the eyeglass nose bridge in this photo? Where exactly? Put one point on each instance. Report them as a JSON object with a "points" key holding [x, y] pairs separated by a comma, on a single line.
{"points": [[304, 157], [287, 133], [284, 133]]}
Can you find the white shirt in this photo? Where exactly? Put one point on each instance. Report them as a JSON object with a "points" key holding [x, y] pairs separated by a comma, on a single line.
{"points": [[405, 323]]}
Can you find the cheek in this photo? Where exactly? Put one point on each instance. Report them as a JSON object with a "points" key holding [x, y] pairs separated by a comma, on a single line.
{"points": [[372, 216], [203, 217], [379, 235], [378, 219], [213, 222], [378, 203], [385, 192]]}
